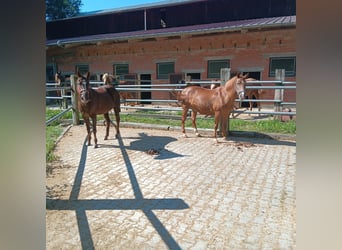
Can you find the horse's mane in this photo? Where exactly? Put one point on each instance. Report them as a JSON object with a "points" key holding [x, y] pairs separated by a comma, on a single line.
{"points": [[230, 83]]}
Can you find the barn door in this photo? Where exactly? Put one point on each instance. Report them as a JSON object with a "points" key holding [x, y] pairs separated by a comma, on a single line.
{"points": [[256, 75]]}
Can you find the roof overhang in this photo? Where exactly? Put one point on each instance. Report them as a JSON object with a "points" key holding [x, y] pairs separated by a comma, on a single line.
{"points": [[232, 26]]}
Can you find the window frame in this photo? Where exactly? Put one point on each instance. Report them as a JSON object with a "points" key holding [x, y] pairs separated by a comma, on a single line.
{"points": [[115, 70], [288, 73], [216, 75], [165, 75], [81, 65]]}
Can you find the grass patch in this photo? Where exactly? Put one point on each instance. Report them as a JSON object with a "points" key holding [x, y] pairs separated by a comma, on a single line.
{"points": [[262, 126], [53, 131], [52, 134]]}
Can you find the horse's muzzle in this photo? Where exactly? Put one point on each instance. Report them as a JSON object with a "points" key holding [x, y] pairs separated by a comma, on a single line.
{"points": [[242, 95]]}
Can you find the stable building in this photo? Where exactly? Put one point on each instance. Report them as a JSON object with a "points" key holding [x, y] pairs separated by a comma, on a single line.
{"points": [[171, 40]]}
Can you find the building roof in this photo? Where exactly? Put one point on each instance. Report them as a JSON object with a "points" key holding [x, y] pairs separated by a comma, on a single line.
{"points": [[284, 21], [137, 7]]}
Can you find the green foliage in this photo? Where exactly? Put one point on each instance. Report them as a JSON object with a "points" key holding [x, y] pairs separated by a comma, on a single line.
{"points": [[52, 134], [58, 9]]}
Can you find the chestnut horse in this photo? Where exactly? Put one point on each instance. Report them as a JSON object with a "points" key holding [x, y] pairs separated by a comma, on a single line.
{"points": [[218, 102], [92, 102], [253, 92], [108, 79]]}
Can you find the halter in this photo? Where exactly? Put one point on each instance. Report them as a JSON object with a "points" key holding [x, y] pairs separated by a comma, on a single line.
{"points": [[241, 93], [84, 93]]}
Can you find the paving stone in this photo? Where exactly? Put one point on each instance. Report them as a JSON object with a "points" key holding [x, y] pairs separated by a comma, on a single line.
{"points": [[194, 194]]}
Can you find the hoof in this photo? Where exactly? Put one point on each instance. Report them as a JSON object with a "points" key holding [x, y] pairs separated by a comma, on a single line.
{"points": [[185, 136], [198, 135], [96, 146], [106, 138]]}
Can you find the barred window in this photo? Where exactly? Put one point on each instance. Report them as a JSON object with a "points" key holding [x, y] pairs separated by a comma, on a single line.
{"points": [[164, 69], [82, 68], [287, 63], [215, 66], [120, 69]]}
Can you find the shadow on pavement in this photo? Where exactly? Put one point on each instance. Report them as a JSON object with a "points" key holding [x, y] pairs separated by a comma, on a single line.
{"points": [[138, 203]]}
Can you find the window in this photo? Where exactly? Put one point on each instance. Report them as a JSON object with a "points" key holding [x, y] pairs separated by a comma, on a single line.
{"points": [[287, 63], [50, 72], [82, 68], [215, 66], [120, 69], [164, 69]]}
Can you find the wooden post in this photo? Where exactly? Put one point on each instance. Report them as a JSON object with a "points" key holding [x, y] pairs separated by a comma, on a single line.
{"points": [[224, 77], [279, 93], [64, 100], [74, 98]]}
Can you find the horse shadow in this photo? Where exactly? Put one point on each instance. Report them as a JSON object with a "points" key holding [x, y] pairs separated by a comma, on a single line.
{"points": [[154, 145]]}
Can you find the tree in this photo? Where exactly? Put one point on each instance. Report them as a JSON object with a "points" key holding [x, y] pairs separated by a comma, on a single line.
{"points": [[58, 9]]}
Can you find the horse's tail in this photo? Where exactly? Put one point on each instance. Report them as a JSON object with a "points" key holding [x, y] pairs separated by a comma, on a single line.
{"points": [[260, 91]]}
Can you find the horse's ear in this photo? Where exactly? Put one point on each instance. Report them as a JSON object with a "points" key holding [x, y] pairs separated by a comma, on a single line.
{"points": [[246, 76], [79, 74]]}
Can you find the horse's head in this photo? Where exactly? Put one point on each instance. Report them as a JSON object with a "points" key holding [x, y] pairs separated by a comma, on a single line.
{"points": [[83, 87], [240, 83]]}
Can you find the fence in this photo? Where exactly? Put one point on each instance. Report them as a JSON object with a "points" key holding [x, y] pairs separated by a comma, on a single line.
{"points": [[279, 86]]}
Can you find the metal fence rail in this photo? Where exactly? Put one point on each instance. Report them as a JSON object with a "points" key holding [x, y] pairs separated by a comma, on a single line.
{"points": [[52, 119], [277, 85]]}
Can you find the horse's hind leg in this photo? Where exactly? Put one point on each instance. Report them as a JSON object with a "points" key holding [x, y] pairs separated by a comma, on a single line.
{"points": [[117, 118], [94, 130], [184, 115], [193, 118], [258, 104], [106, 116]]}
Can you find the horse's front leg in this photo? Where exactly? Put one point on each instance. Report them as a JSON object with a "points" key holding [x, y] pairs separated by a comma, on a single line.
{"points": [[93, 117], [106, 116], [87, 122], [117, 118], [193, 118], [224, 125], [217, 121]]}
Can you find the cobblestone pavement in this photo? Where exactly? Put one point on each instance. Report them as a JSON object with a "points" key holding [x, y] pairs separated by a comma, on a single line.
{"points": [[153, 189]]}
